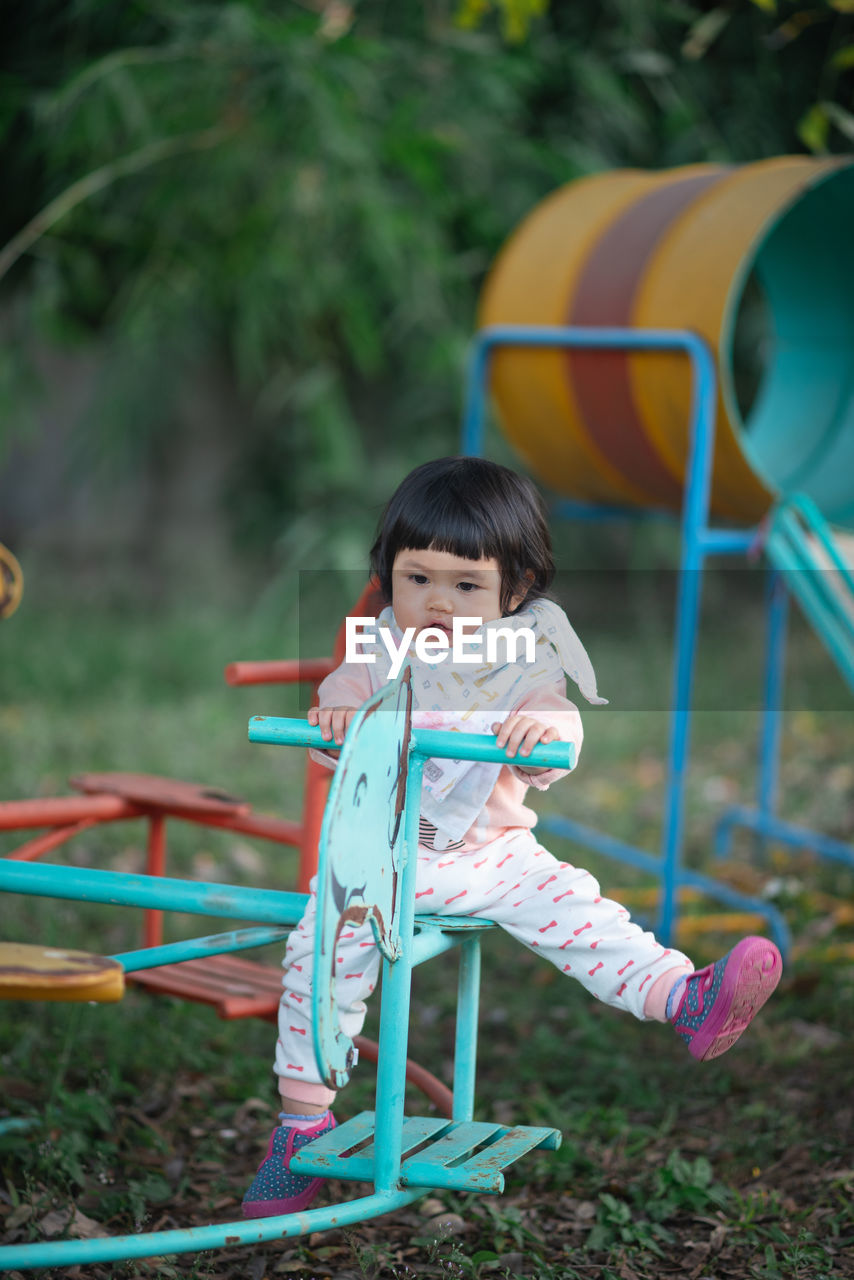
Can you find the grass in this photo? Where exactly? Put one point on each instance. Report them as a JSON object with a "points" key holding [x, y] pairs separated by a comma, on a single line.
{"points": [[154, 1113]]}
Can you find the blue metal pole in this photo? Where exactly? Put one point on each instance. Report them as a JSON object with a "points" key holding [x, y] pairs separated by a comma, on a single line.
{"points": [[695, 510], [474, 407], [568, 509], [726, 542], [443, 745], [285, 731], [772, 725], [486, 340], [465, 1045], [601, 842], [438, 743], [120, 888], [66, 1253], [394, 1015], [613, 337], [214, 944], [787, 833], [697, 539], [438, 934]]}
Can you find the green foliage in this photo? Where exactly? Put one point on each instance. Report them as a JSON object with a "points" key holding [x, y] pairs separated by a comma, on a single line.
{"points": [[681, 1186], [686, 1186], [309, 198], [313, 207]]}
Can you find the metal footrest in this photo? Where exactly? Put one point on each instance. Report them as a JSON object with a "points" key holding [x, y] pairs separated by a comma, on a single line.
{"points": [[460, 1155]]}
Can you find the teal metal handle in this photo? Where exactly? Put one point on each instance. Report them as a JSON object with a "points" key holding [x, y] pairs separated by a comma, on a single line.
{"points": [[436, 743], [282, 731], [442, 745]]}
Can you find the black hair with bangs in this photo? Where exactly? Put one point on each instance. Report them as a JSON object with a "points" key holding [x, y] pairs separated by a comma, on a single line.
{"points": [[476, 509]]}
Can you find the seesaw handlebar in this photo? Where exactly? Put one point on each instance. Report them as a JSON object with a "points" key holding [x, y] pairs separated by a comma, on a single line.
{"points": [[436, 743]]}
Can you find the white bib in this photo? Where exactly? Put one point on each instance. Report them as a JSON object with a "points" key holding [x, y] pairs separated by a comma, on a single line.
{"points": [[471, 698]]}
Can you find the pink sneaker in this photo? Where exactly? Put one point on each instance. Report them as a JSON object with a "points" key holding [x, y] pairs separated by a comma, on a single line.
{"points": [[720, 1001], [274, 1189]]}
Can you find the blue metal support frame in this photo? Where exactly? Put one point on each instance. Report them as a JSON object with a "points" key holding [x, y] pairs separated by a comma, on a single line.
{"points": [[121, 888], [799, 542], [465, 1046], [763, 819], [218, 1235], [198, 898], [698, 541], [772, 724], [394, 1014]]}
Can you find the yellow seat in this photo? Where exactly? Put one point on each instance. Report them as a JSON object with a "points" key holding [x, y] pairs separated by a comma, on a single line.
{"points": [[55, 973]]}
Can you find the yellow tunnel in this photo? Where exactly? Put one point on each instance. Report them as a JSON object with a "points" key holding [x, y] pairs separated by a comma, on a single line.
{"points": [[759, 260]]}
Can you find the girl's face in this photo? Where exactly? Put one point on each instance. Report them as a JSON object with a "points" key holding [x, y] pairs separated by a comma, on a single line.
{"points": [[430, 588]]}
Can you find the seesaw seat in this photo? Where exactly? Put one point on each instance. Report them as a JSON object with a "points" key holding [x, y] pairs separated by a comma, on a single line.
{"points": [[56, 973]]}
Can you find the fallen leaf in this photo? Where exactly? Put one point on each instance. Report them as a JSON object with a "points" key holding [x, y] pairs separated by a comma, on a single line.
{"points": [[430, 1207], [73, 1221], [449, 1224]]}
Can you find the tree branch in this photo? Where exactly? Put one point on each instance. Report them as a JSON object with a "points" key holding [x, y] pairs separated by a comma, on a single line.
{"points": [[91, 183]]}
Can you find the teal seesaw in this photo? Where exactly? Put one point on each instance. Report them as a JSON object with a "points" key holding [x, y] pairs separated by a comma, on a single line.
{"points": [[367, 871]]}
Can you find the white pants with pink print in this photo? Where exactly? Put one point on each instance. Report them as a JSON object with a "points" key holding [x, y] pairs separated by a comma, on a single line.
{"points": [[551, 907]]}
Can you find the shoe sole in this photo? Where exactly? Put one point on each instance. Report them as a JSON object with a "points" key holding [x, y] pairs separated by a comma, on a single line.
{"points": [[752, 970], [274, 1208]]}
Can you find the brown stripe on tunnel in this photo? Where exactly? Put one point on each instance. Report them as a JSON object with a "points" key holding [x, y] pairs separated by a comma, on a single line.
{"points": [[605, 295]]}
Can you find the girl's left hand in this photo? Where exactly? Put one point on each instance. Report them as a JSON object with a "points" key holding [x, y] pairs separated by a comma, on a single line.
{"points": [[521, 733]]}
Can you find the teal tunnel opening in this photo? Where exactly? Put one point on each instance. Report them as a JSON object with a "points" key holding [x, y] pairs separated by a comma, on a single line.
{"points": [[788, 359]]}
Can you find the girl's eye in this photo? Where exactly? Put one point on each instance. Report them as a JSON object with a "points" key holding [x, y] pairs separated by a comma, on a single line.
{"points": [[418, 578], [468, 586]]}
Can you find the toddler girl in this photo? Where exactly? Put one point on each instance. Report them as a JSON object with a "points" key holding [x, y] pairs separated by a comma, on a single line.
{"points": [[466, 538]]}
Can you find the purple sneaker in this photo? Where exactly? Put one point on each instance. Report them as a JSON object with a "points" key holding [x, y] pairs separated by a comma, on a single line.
{"points": [[720, 1001], [274, 1189]]}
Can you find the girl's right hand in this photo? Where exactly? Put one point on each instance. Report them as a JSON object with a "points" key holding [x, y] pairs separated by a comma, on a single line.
{"points": [[333, 722]]}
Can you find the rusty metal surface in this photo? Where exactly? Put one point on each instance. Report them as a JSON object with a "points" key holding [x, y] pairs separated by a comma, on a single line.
{"points": [[60, 811], [169, 794], [236, 988], [55, 973]]}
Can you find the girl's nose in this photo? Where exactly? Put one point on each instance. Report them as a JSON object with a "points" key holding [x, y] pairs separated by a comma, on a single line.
{"points": [[440, 600]]}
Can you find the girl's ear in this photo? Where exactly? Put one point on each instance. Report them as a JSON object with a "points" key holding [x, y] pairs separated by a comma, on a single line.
{"points": [[527, 578]]}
